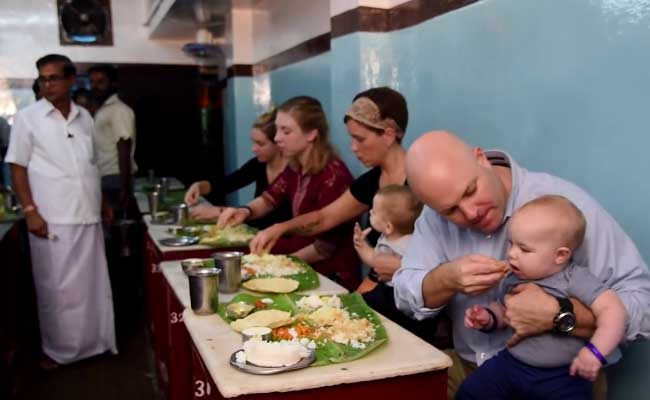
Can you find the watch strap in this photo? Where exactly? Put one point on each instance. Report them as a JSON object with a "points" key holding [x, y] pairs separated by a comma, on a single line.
{"points": [[566, 308], [565, 305]]}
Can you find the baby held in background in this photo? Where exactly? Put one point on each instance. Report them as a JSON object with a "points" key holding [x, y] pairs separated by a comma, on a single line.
{"points": [[544, 233], [394, 211]]}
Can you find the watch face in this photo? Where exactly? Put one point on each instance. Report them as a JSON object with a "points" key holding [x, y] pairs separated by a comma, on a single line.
{"points": [[565, 322]]}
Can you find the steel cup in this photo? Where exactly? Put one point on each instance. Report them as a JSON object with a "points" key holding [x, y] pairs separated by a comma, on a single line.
{"points": [[229, 262], [164, 182], [204, 289], [158, 188], [181, 214], [11, 202], [154, 204]]}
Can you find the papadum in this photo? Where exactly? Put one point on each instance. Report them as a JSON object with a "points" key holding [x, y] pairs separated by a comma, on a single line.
{"points": [[272, 285], [269, 318]]}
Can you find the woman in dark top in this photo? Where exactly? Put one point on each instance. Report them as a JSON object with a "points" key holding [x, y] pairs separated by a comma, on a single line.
{"points": [[376, 122], [267, 164]]}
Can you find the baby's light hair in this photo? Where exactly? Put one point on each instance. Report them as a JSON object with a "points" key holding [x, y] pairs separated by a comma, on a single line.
{"points": [[401, 206], [573, 226]]}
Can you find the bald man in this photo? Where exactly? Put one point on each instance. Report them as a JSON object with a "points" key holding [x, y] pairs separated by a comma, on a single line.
{"points": [[455, 258]]}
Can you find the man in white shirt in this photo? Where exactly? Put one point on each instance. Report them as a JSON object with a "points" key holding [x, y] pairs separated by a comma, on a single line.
{"points": [[115, 136], [53, 165]]}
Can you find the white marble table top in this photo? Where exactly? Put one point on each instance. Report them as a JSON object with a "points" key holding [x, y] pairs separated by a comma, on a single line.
{"points": [[404, 354], [158, 232], [178, 281]]}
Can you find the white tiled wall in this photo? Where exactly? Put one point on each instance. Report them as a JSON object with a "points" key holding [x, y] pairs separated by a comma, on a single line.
{"points": [[28, 30], [263, 28], [281, 24]]}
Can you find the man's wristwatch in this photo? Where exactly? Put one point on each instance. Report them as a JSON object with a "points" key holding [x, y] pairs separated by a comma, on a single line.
{"points": [[565, 320]]}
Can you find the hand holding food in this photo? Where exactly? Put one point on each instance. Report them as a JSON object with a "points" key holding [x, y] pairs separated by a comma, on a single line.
{"points": [[264, 241], [231, 216], [205, 212], [193, 193], [476, 273]]}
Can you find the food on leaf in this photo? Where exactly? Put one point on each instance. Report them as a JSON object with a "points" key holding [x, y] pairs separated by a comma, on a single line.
{"points": [[272, 285], [269, 318]]}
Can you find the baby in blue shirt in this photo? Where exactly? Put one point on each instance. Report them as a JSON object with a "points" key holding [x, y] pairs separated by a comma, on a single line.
{"points": [[544, 233]]}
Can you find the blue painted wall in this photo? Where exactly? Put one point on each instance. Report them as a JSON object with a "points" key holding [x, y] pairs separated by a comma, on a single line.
{"points": [[563, 85], [239, 115], [249, 97], [310, 77]]}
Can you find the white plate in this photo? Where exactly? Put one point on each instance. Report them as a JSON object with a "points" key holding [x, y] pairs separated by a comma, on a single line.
{"points": [[179, 241], [257, 370]]}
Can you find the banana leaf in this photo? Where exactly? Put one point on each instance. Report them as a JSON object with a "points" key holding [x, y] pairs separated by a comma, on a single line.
{"points": [[172, 198], [327, 352], [307, 280], [224, 241], [199, 229]]}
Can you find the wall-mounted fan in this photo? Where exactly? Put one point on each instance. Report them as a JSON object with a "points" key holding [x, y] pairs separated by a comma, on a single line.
{"points": [[85, 22]]}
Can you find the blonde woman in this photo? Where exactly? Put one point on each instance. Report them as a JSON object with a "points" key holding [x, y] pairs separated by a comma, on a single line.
{"points": [[314, 178], [262, 169]]}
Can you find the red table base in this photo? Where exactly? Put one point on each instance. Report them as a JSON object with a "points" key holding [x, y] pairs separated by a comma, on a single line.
{"points": [[165, 317]]}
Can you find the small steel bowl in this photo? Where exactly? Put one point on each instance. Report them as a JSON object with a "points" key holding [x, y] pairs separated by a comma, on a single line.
{"points": [[262, 333], [191, 263], [238, 310]]}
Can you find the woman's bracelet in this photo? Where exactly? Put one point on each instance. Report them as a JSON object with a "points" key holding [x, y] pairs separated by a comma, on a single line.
{"points": [[596, 352], [494, 322]]}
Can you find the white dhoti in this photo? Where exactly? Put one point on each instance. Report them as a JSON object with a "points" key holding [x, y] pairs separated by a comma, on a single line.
{"points": [[75, 303]]}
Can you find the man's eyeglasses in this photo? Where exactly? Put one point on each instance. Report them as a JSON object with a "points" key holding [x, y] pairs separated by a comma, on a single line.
{"points": [[50, 79]]}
